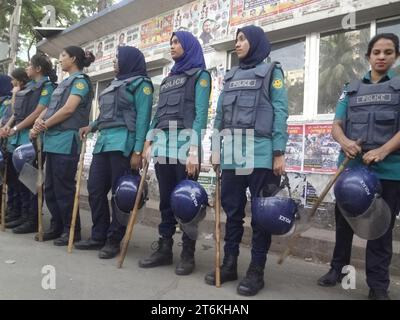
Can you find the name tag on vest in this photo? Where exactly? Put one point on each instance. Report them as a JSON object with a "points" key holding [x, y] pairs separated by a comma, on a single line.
{"points": [[378, 97], [173, 83], [242, 84]]}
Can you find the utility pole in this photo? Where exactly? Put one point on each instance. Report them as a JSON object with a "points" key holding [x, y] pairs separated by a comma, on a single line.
{"points": [[14, 34]]}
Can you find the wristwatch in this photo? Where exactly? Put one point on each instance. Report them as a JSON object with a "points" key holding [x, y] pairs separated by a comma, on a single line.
{"points": [[278, 153]]}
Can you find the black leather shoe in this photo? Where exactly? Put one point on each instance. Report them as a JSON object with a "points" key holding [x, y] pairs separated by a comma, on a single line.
{"points": [[228, 271], [331, 278], [253, 282], [27, 227], [378, 294], [110, 250], [89, 244], [49, 235], [162, 257], [64, 238]]}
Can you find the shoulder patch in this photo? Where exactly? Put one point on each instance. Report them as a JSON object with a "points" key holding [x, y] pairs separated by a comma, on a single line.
{"points": [[203, 83], [80, 86], [147, 91], [44, 93], [277, 84]]}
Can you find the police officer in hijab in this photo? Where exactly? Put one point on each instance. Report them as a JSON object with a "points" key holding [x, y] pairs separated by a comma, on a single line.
{"points": [[175, 141], [125, 112], [252, 110]]}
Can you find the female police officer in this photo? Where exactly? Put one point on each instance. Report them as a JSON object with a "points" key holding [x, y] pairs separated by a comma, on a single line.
{"points": [[254, 101], [19, 80], [384, 157], [29, 102], [183, 104], [67, 112], [125, 110]]}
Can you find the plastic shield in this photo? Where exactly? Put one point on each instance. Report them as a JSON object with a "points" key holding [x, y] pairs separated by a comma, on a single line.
{"points": [[123, 217], [192, 228], [29, 177], [373, 223]]}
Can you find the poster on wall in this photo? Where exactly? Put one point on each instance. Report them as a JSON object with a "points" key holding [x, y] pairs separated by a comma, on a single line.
{"points": [[311, 197], [156, 31], [104, 50], [320, 150], [263, 12], [294, 148], [207, 20]]}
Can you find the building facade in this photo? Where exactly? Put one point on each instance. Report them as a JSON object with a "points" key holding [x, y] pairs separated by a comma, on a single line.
{"points": [[321, 45]]}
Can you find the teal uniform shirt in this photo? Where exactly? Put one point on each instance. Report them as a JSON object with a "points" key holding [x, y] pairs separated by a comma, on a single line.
{"points": [[170, 144], [259, 153], [22, 136], [120, 138], [389, 168], [57, 141]]}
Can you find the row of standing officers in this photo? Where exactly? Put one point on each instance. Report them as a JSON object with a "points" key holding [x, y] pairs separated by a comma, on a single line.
{"points": [[254, 97]]}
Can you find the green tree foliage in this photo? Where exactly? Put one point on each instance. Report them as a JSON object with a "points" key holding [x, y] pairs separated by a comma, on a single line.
{"points": [[68, 13], [342, 59]]}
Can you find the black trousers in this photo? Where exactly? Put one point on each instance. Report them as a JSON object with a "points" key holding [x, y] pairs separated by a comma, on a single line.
{"points": [[233, 200], [60, 189], [378, 252], [105, 170]]}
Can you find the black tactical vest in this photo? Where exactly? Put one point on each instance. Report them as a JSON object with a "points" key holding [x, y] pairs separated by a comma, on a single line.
{"points": [[27, 99], [80, 118], [177, 100], [116, 110], [246, 100], [373, 112]]}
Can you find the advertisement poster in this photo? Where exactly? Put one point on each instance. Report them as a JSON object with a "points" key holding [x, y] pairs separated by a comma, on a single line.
{"points": [[320, 151], [207, 20], [129, 37], [156, 31], [104, 50], [294, 148], [247, 11]]}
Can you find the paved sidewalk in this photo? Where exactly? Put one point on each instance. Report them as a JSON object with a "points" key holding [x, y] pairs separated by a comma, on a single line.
{"points": [[82, 275]]}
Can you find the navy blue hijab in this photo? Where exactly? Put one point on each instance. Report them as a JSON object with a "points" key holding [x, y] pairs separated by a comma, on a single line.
{"points": [[192, 56], [131, 63], [5, 86], [260, 47]]}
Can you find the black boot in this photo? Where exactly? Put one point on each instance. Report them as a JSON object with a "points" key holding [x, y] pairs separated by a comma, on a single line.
{"points": [[22, 219], [89, 244], [228, 271], [29, 226], [12, 215], [110, 250], [64, 239], [378, 294], [186, 265], [50, 234], [253, 282], [331, 278], [162, 257]]}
